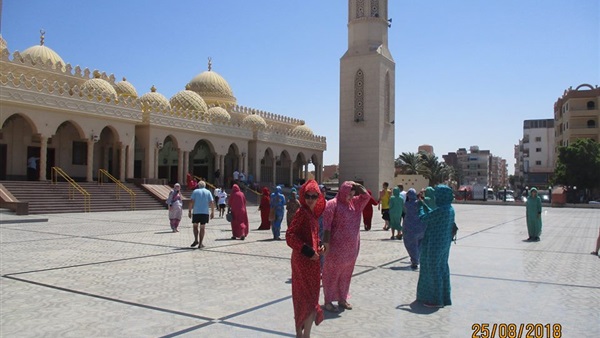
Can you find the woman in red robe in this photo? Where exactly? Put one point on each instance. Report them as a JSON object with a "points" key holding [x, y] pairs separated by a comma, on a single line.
{"points": [[303, 237], [237, 204], [265, 208], [368, 212]]}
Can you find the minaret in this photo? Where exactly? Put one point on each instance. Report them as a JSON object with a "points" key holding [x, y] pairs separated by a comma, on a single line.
{"points": [[367, 82]]}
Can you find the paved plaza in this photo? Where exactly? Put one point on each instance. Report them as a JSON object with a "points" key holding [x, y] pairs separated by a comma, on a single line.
{"points": [[125, 274]]}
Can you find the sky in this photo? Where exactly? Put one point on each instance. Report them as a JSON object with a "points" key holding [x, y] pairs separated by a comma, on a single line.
{"points": [[468, 72]]}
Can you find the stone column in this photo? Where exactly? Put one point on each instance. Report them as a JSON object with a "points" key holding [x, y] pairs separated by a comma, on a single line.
{"points": [[222, 167], [89, 177], [155, 163], [43, 158], [130, 160], [291, 179], [122, 163], [306, 171], [274, 180], [180, 170]]}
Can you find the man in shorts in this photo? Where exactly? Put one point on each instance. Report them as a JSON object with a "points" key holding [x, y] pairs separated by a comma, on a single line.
{"points": [[200, 201], [384, 204]]}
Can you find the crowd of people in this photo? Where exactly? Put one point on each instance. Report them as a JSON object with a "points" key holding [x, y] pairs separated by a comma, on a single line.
{"points": [[325, 235]]}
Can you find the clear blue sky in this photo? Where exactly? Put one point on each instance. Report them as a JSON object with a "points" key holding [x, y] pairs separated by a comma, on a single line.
{"points": [[468, 72]]}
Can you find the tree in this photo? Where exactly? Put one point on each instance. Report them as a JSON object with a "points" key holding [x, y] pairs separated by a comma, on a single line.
{"points": [[579, 165], [435, 171], [409, 163]]}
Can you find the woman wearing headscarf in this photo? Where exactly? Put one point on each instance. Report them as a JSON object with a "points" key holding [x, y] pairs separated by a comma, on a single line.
{"points": [[291, 207], [265, 208], [429, 200], [237, 204], [433, 288], [175, 204], [341, 242], [278, 204], [396, 209], [368, 212], [413, 228], [303, 237], [533, 213]]}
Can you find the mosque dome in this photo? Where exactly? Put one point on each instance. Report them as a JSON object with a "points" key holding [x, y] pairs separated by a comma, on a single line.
{"points": [[154, 101], [254, 122], [212, 87], [188, 100], [304, 129], [219, 114], [126, 89], [99, 87], [3, 44], [44, 54]]}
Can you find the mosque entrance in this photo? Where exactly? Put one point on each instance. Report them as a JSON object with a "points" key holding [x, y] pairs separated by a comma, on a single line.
{"points": [[201, 161], [167, 161]]}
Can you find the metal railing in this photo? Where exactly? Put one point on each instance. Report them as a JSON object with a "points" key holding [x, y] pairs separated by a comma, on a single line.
{"points": [[73, 186], [118, 186]]}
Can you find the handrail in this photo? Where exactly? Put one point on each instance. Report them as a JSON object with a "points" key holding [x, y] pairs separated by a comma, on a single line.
{"points": [[118, 184], [246, 187], [87, 203], [207, 183]]}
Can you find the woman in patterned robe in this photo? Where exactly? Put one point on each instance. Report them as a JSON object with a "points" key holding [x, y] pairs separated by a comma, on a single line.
{"points": [[413, 228], [433, 288], [341, 242], [303, 237], [265, 208], [291, 207]]}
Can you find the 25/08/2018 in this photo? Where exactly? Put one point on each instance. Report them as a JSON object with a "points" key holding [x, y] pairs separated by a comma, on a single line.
{"points": [[512, 330]]}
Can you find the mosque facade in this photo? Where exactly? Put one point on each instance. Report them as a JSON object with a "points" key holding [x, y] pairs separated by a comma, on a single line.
{"points": [[82, 121]]}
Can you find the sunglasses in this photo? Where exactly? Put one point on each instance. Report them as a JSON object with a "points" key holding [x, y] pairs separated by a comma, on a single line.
{"points": [[310, 197]]}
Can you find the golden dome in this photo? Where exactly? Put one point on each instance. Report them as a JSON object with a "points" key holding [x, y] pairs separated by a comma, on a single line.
{"points": [[44, 54], [219, 114], [154, 101], [254, 122], [304, 129], [188, 100], [99, 87], [212, 87], [126, 89]]}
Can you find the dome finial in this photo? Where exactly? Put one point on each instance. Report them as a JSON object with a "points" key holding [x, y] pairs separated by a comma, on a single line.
{"points": [[42, 33], [209, 63], [153, 89]]}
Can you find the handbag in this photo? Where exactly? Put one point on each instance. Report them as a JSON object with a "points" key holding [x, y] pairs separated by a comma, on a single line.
{"points": [[229, 216]]}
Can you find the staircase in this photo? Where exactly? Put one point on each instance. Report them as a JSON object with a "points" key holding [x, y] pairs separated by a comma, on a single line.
{"points": [[47, 198]]}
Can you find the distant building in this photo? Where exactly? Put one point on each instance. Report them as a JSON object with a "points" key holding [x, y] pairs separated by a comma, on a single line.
{"points": [[478, 167], [426, 148], [535, 154], [576, 115], [330, 172], [416, 182]]}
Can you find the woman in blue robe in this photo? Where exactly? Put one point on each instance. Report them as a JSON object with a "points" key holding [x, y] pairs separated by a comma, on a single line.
{"points": [[433, 288], [277, 203], [413, 228]]}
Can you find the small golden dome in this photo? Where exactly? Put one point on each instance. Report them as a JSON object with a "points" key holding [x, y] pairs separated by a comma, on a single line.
{"points": [[304, 129], [254, 122], [212, 87], [219, 114], [43, 54], [154, 101], [99, 87], [188, 100], [126, 89]]}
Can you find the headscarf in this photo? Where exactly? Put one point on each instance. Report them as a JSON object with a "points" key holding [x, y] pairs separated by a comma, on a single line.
{"points": [[411, 194], [396, 192], [265, 191], [293, 195], [344, 191], [443, 196], [429, 197], [312, 187], [530, 190]]}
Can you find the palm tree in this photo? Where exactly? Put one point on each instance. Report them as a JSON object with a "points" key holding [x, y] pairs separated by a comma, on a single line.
{"points": [[435, 171], [409, 163]]}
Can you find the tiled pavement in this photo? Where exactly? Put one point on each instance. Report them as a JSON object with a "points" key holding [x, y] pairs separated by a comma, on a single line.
{"points": [[124, 274]]}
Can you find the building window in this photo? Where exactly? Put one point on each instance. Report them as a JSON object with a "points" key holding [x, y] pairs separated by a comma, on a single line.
{"points": [[538, 162], [591, 124], [538, 139], [591, 105], [538, 150], [79, 153], [360, 8], [375, 8]]}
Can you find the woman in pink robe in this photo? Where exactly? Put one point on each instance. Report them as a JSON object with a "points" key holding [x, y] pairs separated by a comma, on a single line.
{"points": [[237, 204], [341, 241]]}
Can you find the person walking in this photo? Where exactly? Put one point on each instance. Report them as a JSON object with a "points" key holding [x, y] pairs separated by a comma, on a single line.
{"points": [[533, 213], [433, 287], [291, 206], [597, 245], [303, 237], [32, 173], [396, 205], [341, 242], [368, 212], [175, 203], [277, 204], [200, 201], [384, 204], [222, 202], [237, 204], [265, 209], [413, 229]]}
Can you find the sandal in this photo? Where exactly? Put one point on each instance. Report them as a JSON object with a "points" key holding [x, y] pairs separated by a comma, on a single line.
{"points": [[345, 305], [331, 308]]}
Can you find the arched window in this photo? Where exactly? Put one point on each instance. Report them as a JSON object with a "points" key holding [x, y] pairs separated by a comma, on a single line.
{"points": [[360, 8], [375, 8], [591, 105], [591, 124], [359, 92]]}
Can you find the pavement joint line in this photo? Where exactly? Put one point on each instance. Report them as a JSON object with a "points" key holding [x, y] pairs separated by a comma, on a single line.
{"points": [[526, 281], [489, 228], [188, 330], [254, 308], [260, 329], [87, 294]]}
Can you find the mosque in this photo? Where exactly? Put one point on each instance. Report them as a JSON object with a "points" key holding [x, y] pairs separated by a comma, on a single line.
{"points": [[83, 120]]}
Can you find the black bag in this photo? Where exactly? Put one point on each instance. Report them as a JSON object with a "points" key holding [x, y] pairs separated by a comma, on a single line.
{"points": [[454, 231], [229, 216]]}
